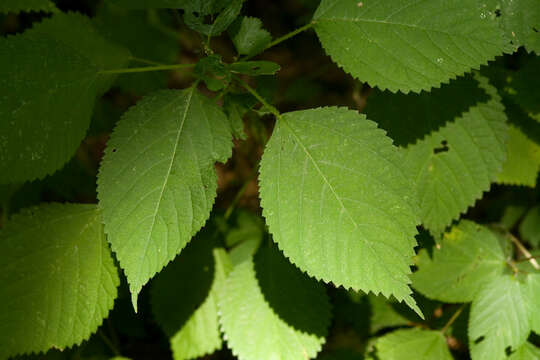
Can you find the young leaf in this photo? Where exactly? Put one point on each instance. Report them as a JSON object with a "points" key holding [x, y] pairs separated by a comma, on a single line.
{"points": [[407, 44], [413, 344], [468, 257], [27, 5], [58, 278], [456, 164], [270, 310], [157, 181], [249, 37], [344, 216], [44, 73], [522, 161], [521, 22], [529, 229], [527, 351], [499, 319], [185, 294], [195, 19]]}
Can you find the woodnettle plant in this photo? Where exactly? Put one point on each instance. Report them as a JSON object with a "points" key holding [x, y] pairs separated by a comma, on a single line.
{"points": [[381, 234]]}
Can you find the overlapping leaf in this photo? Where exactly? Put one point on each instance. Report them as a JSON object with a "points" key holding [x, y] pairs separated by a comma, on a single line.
{"points": [[27, 5], [157, 182], [270, 310], [500, 318], [413, 344], [522, 162], [407, 44], [468, 257], [49, 80], [58, 278], [185, 294], [347, 215], [454, 165]]}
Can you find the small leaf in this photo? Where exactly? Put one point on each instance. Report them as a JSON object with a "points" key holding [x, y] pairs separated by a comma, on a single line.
{"points": [[157, 182], [195, 19], [522, 162], [185, 294], [270, 310], [249, 37], [413, 344], [408, 44], [499, 319], [58, 278], [468, 257], [17, 6], [339, 216], [521, 22], [255, 68]]}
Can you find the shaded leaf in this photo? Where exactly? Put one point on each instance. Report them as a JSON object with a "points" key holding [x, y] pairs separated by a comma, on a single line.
{"points": [[529, 229], [27, 5]]}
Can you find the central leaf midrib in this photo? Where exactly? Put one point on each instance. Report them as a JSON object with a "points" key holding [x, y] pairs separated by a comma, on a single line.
{"points": [[173, 157]]}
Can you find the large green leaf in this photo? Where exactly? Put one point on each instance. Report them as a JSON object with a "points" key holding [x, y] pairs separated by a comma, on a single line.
{"points": [[408, 44], [58, 278], [453, 166], [499, 318], [469, 256], [185, 294], [49, 80], [157, 181], [413, 344], [337, 201], [521, 22], [27, 5], [270, 310], [523, 160]]}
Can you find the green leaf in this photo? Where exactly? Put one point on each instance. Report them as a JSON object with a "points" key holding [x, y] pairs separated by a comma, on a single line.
{"points": [[136, 31], [255, 68], [522, 161], [529, 229], [270, 310], [195, 19], [249, 37], [468, 257], [58, 278], [49, 74], [527, 351], [17, 6], [511, 216], [407, 44], [521, 22], [213, 71], [413, 344], [456, 164], [185, 294], [157, 181], [340, 217], [499, 319], [533, 283]]}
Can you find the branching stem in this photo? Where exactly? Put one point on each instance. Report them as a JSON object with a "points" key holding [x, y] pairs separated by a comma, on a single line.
{"points": [[524, 251]]}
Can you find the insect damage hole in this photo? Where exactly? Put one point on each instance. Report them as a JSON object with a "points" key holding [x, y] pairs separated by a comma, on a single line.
{"points": [[442, 148], [479, 340]]}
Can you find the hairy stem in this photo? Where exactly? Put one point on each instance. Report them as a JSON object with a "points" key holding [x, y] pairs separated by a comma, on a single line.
{"points": [[147, 68], [284, 38], [255, 94]]}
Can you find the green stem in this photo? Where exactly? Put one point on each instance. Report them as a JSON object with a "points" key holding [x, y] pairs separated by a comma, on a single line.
{"points": [[524, 251], [145, 61], [240, 193], [452, 319], [255, 94], [284, 38], [148, 68], [109, 343]]}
